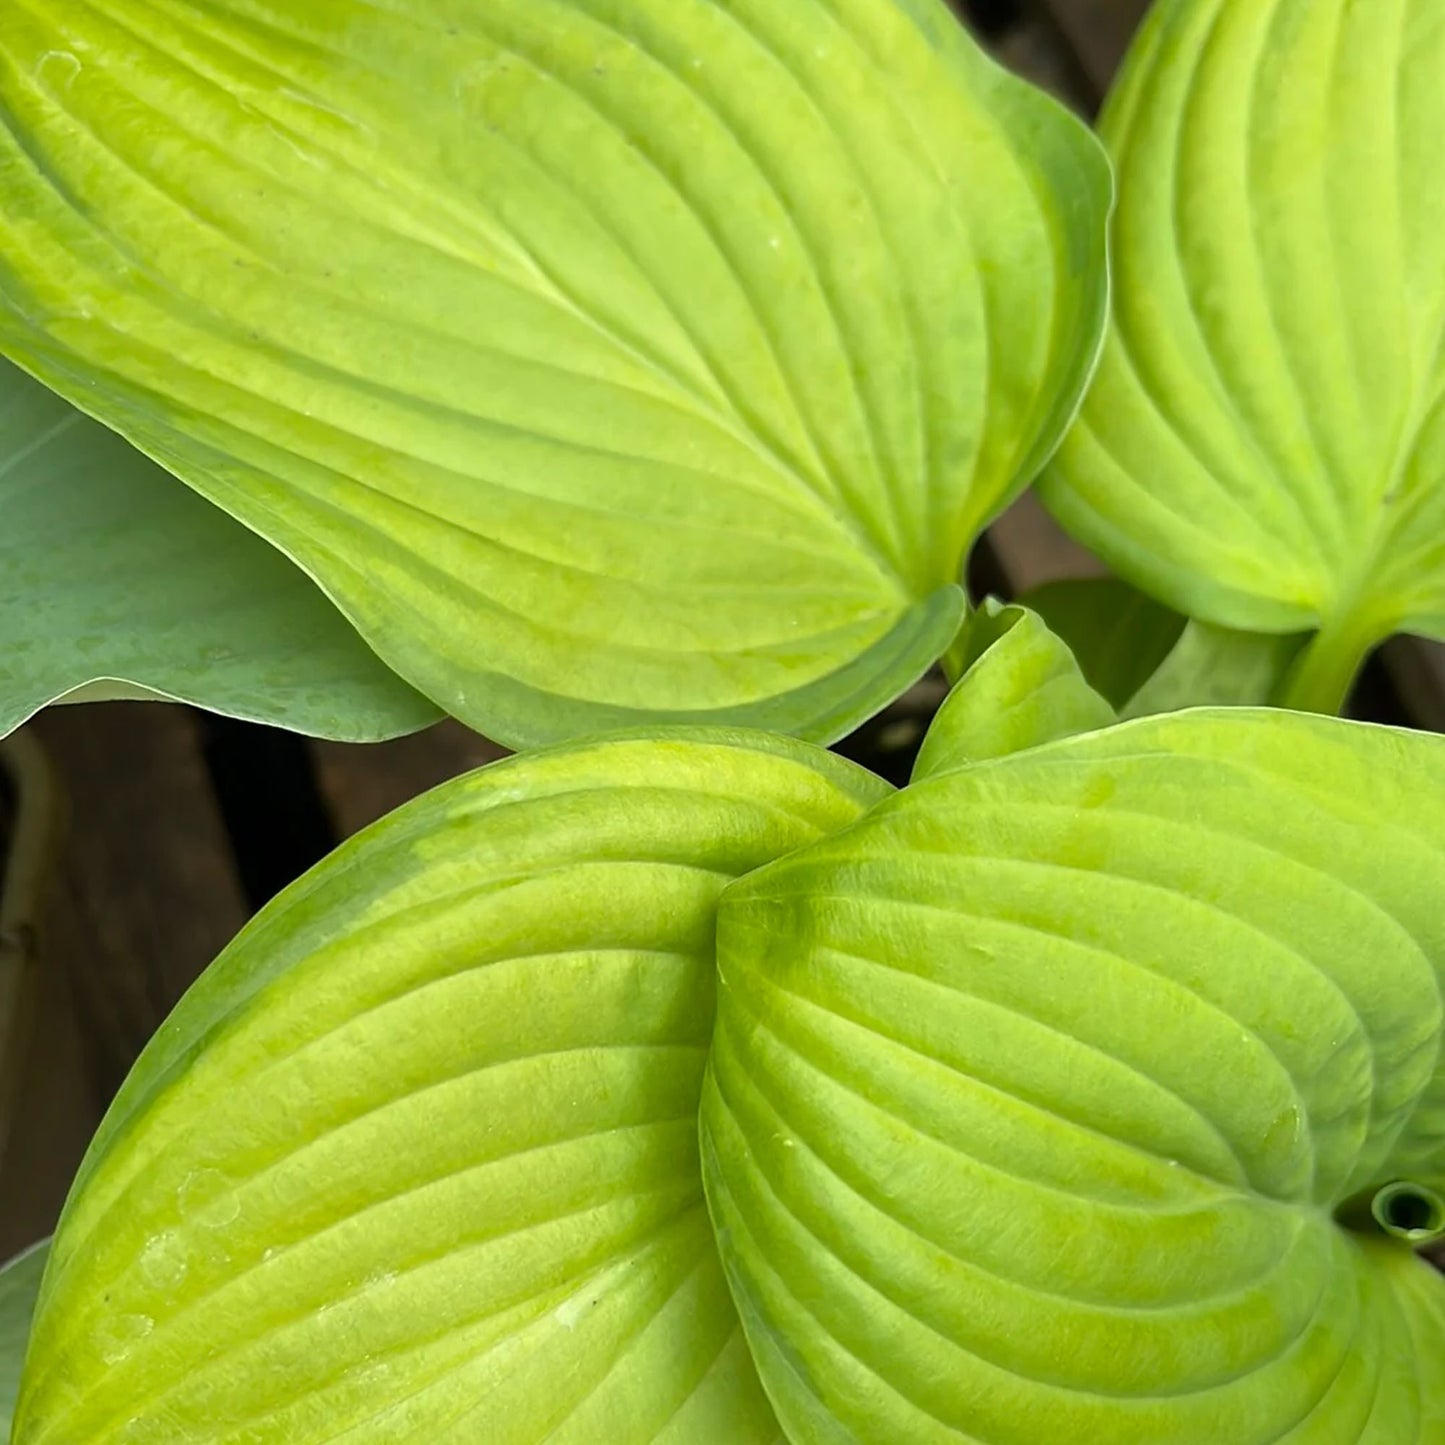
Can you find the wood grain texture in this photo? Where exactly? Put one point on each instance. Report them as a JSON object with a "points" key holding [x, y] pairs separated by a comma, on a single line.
{"points": [[147, 892], [1097, 32], [60, 1113], [46, 1112], [1031, 548], [361, 782]]}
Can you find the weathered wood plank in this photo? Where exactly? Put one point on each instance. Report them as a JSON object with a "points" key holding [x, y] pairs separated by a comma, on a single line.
{"points": [[50, 1133], [1097, 32], [147, 892], [1032, 548], [142, 895], [29, 843], [362, 782], [46, 1112]]}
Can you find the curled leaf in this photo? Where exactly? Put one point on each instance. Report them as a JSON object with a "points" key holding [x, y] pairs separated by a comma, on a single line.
{"points": [[1019, 686]]}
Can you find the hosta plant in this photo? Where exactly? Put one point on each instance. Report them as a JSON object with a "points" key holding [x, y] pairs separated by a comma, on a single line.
{"points": [[608, 361], [579, 365], [697, 1087]]}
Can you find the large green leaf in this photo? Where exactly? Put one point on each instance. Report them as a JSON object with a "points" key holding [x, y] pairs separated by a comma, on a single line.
{"points": [[112, 572], [1034, 1094], [417, 1158], [601, 358], [19, 1287], [1264, 447]]}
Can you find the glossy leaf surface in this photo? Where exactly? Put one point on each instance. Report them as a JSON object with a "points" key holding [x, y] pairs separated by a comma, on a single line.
{"points": [[417, 1159], [1034, 1093], [19, 1287], [602, 358], [114, 574], [1264, 447]]}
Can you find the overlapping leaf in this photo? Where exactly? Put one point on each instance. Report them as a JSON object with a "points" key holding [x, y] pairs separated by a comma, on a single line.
{"points": [[1146, 659], [1264, 447], [1119, 636], [600, 357], [112, 572], [417, 1159], [1034, 1094], [1020, 686], [19, 1287]]}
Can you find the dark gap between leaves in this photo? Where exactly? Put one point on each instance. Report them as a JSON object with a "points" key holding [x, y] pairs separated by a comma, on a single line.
{"points": [[270, 803], [1375, 697], [7, 820], [989, 18]]}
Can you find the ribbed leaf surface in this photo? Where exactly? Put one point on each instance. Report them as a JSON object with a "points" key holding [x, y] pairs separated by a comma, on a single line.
{"points": [[417, 1158], [1265, 444], [1034, 1094], [599, 357]]}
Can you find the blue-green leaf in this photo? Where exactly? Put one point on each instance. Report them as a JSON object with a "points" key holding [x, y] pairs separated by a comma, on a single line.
{"points": [[1119, 636], [19, 1287], [603, 359], [416, 1160], [116, 580]]}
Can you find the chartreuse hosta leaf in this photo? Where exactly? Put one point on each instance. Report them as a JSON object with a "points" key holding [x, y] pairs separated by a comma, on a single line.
{"points": [[417, 1159], [1019, 686], [19, 1286], [601, 358], [1264, 447], [1048, 1102], [112, 572]]}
